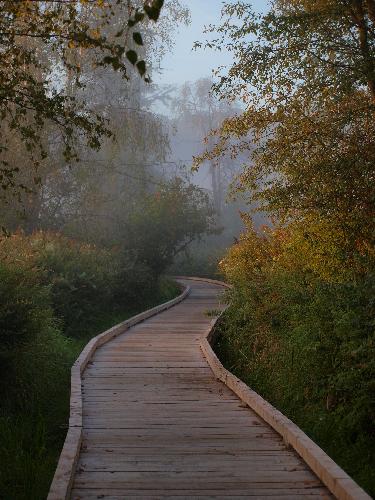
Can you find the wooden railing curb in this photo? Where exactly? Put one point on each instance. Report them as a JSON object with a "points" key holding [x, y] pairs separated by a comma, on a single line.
{"points": [[63, 478], [340, 484]]}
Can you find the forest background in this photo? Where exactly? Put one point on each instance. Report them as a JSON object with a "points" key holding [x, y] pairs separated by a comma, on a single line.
{"points": [[94, 210]]}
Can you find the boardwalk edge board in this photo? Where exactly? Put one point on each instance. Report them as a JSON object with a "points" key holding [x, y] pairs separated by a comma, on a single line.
{"points": [[340, 484], [63, 479]]}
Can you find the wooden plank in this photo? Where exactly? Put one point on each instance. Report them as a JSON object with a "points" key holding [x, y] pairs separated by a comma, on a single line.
{"points": [[107, 460], [188, 494], [202, 480]]}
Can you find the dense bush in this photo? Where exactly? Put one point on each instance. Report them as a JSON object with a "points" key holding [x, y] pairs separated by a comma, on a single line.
{"points": [[304, 337], [24, 306], [80, 281], [31, 347], [80, 277], [35, 362]]}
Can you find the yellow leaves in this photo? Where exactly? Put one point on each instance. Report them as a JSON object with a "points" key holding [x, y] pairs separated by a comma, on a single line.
{"points": [[314, 245], [22, 8], [95, 34], [322, 246], [299, 6], [251, 255], [97, 3]]}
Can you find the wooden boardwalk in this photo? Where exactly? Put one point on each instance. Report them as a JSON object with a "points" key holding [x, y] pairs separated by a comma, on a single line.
{"points": [[158, 424]]}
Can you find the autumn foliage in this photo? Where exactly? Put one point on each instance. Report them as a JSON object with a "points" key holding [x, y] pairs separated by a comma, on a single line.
{"points": [[300, 327]]}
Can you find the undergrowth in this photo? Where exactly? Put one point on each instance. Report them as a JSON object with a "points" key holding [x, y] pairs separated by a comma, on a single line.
{"points": [[305, 341]]}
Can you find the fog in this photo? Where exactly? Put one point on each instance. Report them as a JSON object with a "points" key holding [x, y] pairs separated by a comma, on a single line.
{"points": [[100, 184]]}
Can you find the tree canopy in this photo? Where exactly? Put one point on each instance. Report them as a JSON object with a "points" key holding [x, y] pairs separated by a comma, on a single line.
{"points": [[300, 326], [46, 48], [305, 73]]}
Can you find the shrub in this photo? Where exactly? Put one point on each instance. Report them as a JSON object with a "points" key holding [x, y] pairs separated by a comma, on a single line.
{"points": [[304, 337], [33, 353], [80, 276], [25, 316], [134, 283], [24, 306], [84, 281], [35, 361]]}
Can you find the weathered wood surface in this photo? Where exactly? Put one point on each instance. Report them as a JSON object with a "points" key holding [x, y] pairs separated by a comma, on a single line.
{"points": [[158, 423]]}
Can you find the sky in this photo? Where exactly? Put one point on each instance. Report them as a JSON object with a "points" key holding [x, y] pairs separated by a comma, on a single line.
{"points": [[183, 63]]}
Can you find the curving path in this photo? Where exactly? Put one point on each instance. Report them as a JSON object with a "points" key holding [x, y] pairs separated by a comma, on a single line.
{"points": [[158, 424]]}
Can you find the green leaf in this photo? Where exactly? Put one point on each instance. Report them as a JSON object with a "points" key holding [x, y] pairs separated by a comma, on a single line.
{"points": [[131, 55], [153, 10], [141, 66], [138, 17], [137, 37]]}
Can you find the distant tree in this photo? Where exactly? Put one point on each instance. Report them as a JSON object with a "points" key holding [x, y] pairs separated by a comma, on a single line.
{"points": [[166, 222], [196, 105]]}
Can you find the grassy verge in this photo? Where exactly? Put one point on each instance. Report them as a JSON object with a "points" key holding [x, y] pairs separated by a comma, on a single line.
{"points": [[35, 410], [289, 372]]}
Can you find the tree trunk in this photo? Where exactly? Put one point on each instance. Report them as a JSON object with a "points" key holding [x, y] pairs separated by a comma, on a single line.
{"points": [[360, 20]]}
